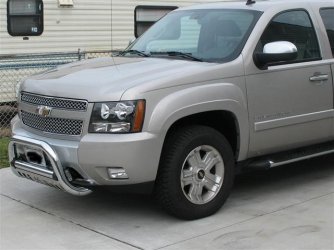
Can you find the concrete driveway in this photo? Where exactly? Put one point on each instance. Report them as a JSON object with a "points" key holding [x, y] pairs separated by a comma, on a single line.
{"points": [[291, 207]]}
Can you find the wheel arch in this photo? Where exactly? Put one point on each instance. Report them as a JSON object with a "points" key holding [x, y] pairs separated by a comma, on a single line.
{"points": [[223, 121], [221, 106]]}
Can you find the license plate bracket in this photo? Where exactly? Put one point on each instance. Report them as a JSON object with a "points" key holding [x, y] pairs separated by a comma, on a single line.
{"points": [[32, 155], [35, 156]]}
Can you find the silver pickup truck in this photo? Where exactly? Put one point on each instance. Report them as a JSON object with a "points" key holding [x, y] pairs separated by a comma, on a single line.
{"points": [[206, 91]]}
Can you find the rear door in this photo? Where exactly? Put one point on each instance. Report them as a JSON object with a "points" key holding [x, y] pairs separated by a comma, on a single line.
{"points": [[327, 18]]}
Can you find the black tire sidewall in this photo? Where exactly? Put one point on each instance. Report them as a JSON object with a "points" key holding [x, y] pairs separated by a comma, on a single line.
{"points": [[180, 146]]}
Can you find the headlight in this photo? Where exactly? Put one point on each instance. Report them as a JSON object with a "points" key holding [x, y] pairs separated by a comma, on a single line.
{"points": [[117, 117]]}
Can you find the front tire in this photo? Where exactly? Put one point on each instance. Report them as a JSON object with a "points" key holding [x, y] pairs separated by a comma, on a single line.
{"points": [[196, 172]]}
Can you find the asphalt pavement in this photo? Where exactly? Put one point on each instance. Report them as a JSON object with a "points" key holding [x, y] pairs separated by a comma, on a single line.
{"points": [[290, 207]]}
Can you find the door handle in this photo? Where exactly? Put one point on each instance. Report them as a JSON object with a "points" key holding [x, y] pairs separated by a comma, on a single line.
{"points": [[319, 78]]}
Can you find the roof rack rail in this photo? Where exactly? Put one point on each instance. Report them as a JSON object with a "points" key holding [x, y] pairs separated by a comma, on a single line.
{"points": [[249, 2]]}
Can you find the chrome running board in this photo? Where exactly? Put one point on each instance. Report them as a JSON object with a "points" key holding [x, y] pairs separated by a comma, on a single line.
{"points": [[287, 157]]}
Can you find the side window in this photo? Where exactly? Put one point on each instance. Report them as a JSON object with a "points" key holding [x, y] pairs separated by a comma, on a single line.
{"points": [[327, 16], [296, 27], [146, 16], [25, 17]]}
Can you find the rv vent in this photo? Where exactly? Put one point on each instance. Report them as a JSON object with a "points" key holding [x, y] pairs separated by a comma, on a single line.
{"points": [[66, 3]]}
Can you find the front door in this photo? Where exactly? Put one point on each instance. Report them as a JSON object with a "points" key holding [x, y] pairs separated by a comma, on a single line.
{"points": [[291, 104]]}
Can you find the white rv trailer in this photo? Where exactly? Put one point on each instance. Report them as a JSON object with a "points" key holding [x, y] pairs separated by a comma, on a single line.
{"points": [[87, 25], [70, 26]]}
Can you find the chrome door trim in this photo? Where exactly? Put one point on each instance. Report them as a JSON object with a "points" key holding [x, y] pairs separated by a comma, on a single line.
{"points": [[292, 120]]}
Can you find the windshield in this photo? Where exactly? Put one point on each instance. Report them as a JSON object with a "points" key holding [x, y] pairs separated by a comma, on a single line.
{"points": [[201, 35]]}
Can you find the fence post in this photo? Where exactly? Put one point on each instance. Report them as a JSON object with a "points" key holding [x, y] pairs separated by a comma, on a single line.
{"points": [[79, 55]]}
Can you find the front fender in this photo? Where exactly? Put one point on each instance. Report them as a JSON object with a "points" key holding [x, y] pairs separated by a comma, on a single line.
{"points": [[198, 99]]}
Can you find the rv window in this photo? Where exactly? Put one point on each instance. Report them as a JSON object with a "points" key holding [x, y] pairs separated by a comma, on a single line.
{"points": [[146, 16], [25, 17]]}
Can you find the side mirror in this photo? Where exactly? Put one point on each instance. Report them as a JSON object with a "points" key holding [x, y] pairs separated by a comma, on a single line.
{"points": [[276, 52]]}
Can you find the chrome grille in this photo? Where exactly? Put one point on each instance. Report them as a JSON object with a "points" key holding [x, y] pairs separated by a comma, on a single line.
{"points": [[55, 102], [52, 124]]}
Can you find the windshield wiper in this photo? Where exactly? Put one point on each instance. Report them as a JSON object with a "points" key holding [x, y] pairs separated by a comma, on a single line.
{"points": [[179, 54], [133, 51]]}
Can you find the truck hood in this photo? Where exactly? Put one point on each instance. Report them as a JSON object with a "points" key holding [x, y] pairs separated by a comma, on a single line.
{"points": [[106, 79]]}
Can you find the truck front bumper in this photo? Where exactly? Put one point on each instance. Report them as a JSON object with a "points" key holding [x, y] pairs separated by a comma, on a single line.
{"points": [[47, 160], [47, 169]]}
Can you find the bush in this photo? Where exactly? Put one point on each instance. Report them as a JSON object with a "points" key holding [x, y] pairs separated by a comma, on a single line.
{"points": [[4, 152]]}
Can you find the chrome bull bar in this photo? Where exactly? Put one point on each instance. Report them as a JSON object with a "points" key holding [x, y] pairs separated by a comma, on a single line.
{"points": [[46, 170]]}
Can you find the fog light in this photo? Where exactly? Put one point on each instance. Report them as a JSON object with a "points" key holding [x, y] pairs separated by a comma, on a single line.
{"points": [[117, 173]]}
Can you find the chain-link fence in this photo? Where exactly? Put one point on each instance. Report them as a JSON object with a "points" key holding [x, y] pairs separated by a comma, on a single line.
{"points": [[13, 68]]}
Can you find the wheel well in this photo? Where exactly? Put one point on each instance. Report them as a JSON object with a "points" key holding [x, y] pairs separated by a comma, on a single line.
{"points": [[223, 121]]}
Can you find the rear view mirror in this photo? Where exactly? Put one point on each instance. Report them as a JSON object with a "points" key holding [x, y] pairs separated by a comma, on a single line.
{"points": [[276, 52]]}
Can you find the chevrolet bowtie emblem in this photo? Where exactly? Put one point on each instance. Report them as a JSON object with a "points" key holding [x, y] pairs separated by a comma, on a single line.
{"points": [[44, 111]]}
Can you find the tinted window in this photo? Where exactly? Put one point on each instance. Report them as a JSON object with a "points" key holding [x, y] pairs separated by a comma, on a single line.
{"points": [[295, 27], [25, 17], [327, 16]]}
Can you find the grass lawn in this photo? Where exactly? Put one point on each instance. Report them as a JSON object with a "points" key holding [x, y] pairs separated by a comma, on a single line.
{"points": [[3, 152]]}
